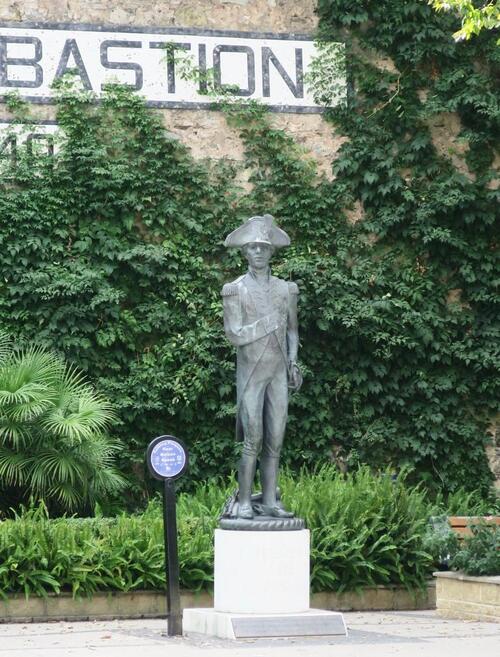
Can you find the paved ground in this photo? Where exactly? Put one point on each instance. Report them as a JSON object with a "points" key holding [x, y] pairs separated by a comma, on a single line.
{"points": [[374, 634]]}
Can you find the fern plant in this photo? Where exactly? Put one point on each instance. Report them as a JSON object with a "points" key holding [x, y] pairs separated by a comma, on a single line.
{"points": [[366, 529], [53, 442]]}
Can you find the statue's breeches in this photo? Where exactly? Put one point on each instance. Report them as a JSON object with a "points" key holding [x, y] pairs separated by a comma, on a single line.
{"points": [[263, 406]]}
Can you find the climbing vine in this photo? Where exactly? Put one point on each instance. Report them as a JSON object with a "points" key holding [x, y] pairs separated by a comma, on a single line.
{"points": [[111, 253], [422, 330]]}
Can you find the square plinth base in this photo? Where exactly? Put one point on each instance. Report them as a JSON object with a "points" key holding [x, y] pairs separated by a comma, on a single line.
{"points": [[314, 622], [261, 572]]}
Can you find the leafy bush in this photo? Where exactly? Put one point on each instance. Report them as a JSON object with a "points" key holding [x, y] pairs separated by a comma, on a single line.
{"points": [[365, 529], [441, 542], [52, 424], [480, 554]]}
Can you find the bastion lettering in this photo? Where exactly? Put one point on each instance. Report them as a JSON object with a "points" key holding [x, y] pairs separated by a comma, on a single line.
{"points": [[269, 68]]}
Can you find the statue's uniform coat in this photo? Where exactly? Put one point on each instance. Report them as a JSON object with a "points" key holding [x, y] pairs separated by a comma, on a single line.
{"points": [[256, 321]]}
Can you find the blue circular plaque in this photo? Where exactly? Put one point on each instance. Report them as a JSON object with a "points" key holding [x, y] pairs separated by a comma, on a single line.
{"points": [[167, 457]]}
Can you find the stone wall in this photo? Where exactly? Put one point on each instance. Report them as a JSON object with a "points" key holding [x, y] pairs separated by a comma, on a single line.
{"points": [[204, 131], [152, 604], [469, 598], [493, 453], [247, 15]]}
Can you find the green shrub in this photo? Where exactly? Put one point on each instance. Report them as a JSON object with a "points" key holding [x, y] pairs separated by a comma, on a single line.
{"points": [[480, 554], [52, 432], [38, 555], [366, 530], [441, 542]]}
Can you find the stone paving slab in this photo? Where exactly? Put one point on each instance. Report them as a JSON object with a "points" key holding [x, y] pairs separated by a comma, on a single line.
{"points": [[371, 634]]}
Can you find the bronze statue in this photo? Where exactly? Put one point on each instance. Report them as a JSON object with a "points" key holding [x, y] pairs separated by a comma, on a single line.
{"points": [[260, 319]]}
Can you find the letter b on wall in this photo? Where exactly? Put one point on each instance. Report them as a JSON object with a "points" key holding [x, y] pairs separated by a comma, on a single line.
{"points": [[15, 69]]}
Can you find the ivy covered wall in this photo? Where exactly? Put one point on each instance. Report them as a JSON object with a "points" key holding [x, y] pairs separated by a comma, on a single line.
{"points": [[111, 253], [422, 165]]}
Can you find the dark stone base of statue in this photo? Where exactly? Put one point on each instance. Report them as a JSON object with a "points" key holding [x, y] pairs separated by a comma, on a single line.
{"points": [[260, 522]]}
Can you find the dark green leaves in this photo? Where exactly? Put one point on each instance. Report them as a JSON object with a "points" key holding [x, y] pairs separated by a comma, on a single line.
{"points": [[113, 255]]}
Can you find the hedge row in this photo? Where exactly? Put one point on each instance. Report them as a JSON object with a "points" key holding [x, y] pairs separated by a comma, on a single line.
{"points": [[366, 530]]}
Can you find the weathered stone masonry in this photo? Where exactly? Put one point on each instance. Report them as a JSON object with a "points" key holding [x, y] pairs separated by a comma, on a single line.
{"points": [[204, 131]]}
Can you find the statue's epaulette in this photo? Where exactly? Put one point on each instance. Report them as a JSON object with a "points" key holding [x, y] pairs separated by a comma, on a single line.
{"points": [[229, 290], [293, 288]]}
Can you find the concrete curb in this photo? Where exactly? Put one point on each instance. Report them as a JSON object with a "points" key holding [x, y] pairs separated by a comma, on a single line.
{"points": [[152, 604]]}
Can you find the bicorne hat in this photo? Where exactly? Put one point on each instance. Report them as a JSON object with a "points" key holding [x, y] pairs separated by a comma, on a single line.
{"points": [[258, 229]]}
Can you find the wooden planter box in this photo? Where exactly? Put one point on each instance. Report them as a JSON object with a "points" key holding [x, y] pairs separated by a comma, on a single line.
{"points": [[466, 597], [460, 524]]}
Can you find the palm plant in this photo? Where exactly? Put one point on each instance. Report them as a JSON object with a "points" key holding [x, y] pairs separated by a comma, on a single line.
{"points": [[53, 442]]}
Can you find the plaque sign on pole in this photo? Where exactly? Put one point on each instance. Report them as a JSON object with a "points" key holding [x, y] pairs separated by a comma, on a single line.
{"points": [[167, 460]]}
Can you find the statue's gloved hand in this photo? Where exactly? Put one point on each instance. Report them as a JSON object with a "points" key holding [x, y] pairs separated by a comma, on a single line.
{"points": [[273, 322], [295, 377]]}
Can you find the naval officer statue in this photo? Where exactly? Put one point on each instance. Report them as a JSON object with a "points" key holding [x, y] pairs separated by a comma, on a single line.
{"points": [[261, 580], [260, 319]]}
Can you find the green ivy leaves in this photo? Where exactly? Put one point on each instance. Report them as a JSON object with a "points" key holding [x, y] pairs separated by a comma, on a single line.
{"points": [[112, 254]]}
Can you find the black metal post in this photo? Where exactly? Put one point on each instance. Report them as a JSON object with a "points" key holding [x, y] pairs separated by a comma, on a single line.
{"points": [[171, 560]]}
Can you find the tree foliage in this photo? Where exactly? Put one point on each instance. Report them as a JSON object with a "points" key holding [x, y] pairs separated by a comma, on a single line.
{"points": [[475, 16]]}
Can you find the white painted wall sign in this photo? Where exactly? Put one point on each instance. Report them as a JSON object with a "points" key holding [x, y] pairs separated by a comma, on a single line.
{"points": [[266, 67], [39, 138]]}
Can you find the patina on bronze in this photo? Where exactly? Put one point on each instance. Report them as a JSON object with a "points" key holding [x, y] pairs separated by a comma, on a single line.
{"points": [[260, 319]]}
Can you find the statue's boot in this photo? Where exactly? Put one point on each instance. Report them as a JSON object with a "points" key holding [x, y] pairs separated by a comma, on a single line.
{"points": [[276, 512], [269, 466], [246, 475]]}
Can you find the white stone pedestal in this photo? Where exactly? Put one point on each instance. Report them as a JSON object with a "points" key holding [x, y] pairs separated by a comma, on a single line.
{"points": [[262, 589], [261, 572]]}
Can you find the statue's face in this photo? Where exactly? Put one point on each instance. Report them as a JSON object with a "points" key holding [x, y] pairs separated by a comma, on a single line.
{"points": [[258, 254]]}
